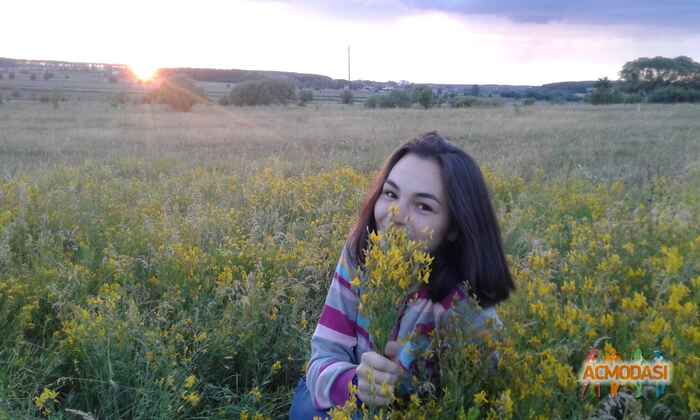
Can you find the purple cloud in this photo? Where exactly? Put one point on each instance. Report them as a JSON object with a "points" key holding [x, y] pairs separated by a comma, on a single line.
{"points": [[675, 13], [670, 14]]}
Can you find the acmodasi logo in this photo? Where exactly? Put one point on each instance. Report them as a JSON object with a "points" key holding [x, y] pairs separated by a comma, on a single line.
{"points": [[610, 368]]}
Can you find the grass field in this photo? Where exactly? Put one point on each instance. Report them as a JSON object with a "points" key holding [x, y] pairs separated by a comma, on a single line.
{"points": [[156, 264]]}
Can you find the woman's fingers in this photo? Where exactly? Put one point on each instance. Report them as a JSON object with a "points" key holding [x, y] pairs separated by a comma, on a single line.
{"points": [[392, 349], [379, 377], [379, 362]]}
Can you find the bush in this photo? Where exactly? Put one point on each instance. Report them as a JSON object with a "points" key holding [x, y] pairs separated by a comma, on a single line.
{"points": [[262, 92], [32, 76], [2, 76], [603, 93], [56, 97], [224, 100], [48, 75], [179, 93], [424, 96], [120, 99], [372, 101], [673, 94], [472, 101], [346, 97], [632, 98], [305, 96], [16, 94], [11, 76], [394, 99], [529, 101]]}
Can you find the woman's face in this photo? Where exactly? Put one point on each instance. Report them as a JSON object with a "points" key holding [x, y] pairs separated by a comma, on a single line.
{"points": [[415, 187]]}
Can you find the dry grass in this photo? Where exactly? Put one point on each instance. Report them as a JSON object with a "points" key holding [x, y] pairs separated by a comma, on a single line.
{"points": [[629, 142]]}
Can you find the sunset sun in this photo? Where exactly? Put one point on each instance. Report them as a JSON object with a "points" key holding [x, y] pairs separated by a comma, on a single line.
{"points": [[144, 71]]}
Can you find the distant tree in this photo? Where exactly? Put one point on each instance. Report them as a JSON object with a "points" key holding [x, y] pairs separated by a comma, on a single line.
{"points": [[32, 76], [11, 75], [346, 97], [263, 92], [393, 99], [55, 98], [424, 97], [372, 101], [476, 91], [178, 92], [603, 93], [48, 75], [224, 100], [673, 94], [646, 74], [305, 96], [511, 94], [473, 101], [120, 99]]}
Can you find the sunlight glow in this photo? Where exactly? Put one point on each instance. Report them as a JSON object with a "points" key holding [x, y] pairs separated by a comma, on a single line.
{"points": [[144, 71]]}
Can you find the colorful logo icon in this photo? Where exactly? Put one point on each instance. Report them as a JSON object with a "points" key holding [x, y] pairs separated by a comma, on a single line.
{"points": [[611, 369]]}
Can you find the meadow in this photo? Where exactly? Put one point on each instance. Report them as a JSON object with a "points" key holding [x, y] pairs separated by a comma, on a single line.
{"points": [[156, 264]]}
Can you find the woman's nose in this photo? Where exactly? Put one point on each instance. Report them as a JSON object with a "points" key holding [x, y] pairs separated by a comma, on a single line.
{"points": [[399, 215]]}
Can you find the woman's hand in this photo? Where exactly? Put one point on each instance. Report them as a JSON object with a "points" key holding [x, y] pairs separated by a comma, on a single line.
{"points": [[376, 371]]}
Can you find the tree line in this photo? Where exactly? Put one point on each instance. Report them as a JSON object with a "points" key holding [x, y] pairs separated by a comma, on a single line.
{"points": [[654, 80]]}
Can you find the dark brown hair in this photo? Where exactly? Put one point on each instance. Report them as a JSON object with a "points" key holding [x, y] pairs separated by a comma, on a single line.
{"points": [[476, 256]]}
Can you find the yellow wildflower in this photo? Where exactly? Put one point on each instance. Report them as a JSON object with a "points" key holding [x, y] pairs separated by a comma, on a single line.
{"points": [[190, 381], [47, 398], [673, 261], [480, 398], [276, 367], [256, 394], [192, 398], [569, 287]]}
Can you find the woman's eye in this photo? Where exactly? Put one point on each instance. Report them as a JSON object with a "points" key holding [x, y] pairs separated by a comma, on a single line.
{"points": [[389, 194], [425, 207]]}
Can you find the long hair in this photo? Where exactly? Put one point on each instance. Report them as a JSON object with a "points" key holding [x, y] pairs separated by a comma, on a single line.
{"points": [[476, 256]]}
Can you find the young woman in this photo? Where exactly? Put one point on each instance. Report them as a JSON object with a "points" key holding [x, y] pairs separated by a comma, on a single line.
{"points": [[442, 199]]}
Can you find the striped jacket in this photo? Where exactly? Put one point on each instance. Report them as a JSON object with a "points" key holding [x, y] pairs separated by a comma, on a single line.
{"points": [[341, 335]]}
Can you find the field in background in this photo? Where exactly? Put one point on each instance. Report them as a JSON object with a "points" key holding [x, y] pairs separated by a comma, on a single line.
{"points": [[628, 142], [156, 264], [85, 85]]}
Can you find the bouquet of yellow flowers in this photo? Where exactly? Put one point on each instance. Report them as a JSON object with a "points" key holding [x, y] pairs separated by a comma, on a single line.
{"points": [[394, 267]]}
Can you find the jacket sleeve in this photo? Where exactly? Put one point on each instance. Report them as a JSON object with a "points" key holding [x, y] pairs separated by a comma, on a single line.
{"points": [[333, 360]]}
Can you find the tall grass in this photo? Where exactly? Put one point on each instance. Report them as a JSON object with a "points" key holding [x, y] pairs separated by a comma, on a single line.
{"points": [[162, 265]]}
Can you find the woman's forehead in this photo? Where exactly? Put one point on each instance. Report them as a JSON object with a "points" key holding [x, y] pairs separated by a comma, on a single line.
{"points": [[414, 174]]}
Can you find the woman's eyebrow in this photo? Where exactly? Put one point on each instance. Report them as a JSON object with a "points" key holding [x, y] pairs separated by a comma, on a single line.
{"points": [[420, 194]]}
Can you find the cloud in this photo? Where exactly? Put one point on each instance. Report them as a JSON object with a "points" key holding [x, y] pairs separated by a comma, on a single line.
{"points": [[640, 12], [681, 15]]}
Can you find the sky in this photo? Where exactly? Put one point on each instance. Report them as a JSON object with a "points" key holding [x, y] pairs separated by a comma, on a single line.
{"points": [[517, 42]]}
